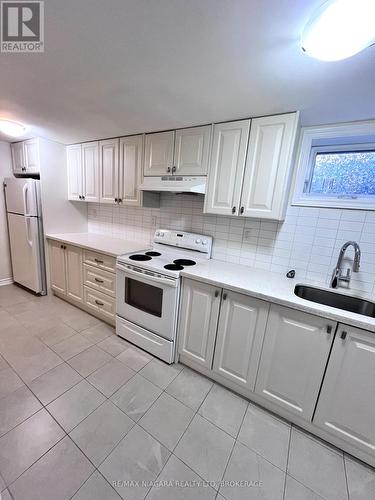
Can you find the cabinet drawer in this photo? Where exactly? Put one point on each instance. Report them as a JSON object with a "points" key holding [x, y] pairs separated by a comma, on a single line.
{"points": [[99, 302], [100, 260], [103, 281]]}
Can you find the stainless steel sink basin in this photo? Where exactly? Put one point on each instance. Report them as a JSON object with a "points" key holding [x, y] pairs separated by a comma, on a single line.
{"points": [[338, 300]]}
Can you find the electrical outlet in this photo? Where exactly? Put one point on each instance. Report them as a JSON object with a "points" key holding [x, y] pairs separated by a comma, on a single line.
{"points": [[247, 235]]}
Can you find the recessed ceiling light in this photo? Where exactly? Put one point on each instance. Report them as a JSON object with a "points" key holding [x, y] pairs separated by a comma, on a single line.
{"points": [[13, 129], [340, 29]]}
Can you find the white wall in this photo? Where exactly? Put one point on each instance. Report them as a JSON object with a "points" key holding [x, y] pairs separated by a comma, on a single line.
{"points": [[308, 240], [5, 171]]}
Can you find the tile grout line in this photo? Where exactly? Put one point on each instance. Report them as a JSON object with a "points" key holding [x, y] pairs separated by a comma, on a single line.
{"points": [[287, 460]]}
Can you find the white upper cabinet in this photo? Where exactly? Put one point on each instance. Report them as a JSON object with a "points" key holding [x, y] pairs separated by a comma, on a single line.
{"points": [[198, 321], [159, 153], [239, 338], [295, 352], [191, 151], [25, 157], [18, 157], [74, 164], [32, 162], [346, 403], [261, 187], [130, 177], [267, 173], [90, 169], [227, 164], [109, 170]]}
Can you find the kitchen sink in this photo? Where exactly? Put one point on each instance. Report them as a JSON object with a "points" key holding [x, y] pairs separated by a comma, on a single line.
{"points": [[338, 300]]}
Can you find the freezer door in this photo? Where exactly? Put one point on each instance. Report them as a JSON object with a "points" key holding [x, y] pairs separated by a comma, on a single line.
{"points": [[21, 196], [25, 251]]}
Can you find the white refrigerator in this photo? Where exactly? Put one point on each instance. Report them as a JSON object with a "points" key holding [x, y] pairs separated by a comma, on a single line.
{"points": [[25, 227]]}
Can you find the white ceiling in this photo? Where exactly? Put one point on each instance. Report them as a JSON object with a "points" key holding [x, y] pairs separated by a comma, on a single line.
{"points": [[118, 67]]}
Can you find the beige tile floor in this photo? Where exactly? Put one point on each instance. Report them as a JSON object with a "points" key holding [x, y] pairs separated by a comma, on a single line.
{"points": [[86, 416]]}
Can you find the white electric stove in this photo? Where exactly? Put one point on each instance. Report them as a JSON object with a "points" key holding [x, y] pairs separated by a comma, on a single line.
{"points": [[148, 289]]}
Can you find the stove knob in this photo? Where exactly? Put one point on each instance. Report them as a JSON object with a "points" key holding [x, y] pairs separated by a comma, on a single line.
{"points": [[161, 234], [204, 242], [157, 233], [197, 241]]}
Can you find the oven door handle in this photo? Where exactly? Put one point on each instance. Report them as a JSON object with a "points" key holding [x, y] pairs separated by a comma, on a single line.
{"points": [[139, 274]]}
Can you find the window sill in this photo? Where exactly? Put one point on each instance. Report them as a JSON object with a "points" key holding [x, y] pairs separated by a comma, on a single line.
{"points": [[334, 203]]}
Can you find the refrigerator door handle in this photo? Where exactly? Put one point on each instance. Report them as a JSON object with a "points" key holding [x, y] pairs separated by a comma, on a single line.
{"points": [[27, 220], [24, 194]]}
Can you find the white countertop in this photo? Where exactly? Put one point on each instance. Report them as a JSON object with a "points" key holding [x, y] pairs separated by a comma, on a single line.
{"points": [[99, 243], [275, 288]]}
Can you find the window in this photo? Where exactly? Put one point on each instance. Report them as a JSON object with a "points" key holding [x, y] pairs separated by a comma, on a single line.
{"points": [[337, 170]]}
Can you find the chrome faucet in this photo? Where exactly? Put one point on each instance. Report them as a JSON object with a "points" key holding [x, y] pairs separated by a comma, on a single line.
{"points": [[337, 275]]}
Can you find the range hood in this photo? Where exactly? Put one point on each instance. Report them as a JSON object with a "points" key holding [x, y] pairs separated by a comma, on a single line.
{"points": [[174, 184]]}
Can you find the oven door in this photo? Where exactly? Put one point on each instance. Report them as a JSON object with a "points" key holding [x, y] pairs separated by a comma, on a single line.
{"points": [[147, 300]]}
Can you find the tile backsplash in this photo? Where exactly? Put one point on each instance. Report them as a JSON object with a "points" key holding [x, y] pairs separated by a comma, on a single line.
{"points": [[308, 240]]}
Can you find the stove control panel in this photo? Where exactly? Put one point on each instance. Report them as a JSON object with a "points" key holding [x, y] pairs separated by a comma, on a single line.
{"points": [[181, 239]]}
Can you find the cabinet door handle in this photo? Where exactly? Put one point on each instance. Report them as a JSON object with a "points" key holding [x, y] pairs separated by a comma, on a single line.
{"points": [[329, 329], [242, 210], [62, 247], [173, 170], [343, 335], [225, 296], [98, 280], [99, 303], [80, 197], [216, 293], [116, 199], [120, 200], [168, 169], [98, 261], [233, 210]]}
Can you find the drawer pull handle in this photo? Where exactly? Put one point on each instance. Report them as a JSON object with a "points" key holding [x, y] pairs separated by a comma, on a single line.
{"points": [[343, 335], [233, 210], [99, 303], [225, 296], [98, 280], [216, 293], [329, 329], [98, 261]]}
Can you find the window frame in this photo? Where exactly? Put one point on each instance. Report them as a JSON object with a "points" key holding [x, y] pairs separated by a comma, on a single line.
{"points": [[325, 139]]}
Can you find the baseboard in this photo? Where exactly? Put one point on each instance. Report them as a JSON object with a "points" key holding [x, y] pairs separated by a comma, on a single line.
{"points": [[6, 281]]}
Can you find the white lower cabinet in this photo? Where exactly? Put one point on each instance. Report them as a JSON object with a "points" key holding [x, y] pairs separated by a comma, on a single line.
{"points": [[198, 321], [74, 272], [100, 303], [57, 267], [222, 331], [346, 403], [239, 338], [294, 355], [84, 277], [66, 276], [310, 370]]}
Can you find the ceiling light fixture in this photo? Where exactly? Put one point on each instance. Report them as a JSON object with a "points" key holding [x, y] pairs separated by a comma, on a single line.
{"points": [[340, 29], [11, 128]]}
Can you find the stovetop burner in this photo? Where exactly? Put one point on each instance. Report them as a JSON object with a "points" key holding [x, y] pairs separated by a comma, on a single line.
{"points": [[139, 257], [173, 267], [184, 262], [153, 254]]}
